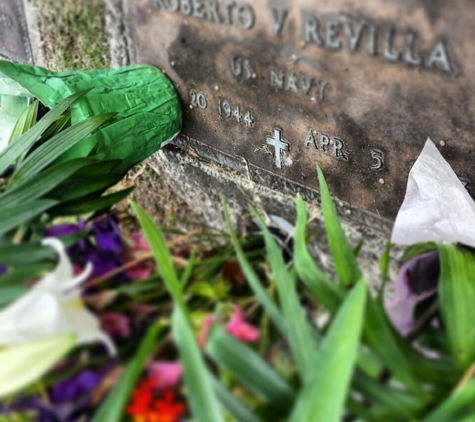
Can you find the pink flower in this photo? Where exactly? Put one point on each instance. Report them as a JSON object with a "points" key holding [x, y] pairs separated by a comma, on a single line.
{"points": [[115, 324], [138, 272], [166, 374], [236, 326], [240, 329], [139, 242]]}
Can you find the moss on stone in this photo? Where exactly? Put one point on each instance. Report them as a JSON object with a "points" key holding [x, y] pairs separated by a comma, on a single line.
{"points": [[73, 34]]}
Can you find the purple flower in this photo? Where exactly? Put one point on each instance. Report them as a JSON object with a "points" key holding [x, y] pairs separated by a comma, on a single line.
{"points": [[3, 270], [103, 253], [69, 400], [107, 234], [416, 281]]}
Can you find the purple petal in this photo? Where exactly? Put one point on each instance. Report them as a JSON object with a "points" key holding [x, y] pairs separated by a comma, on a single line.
{"points": [[102, 262], [416, 281], [75, 387], [3, 270], [107, 234]]}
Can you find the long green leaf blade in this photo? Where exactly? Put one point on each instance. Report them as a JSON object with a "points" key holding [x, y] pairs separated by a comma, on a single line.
{"points": [[84, 206], [458, 407], [112, 409], [25, 122], [24, 142], [322, 287], [253, 280], [201, 396], [235, 408], [203, 402], [346, 266], [323, 396], [457, 301], [57, 145], [36, 187], [15, 215], [249, 369], [300, 336]]}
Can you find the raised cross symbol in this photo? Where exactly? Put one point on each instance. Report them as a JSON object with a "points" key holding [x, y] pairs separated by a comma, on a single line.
{"points": [[279, 146]]}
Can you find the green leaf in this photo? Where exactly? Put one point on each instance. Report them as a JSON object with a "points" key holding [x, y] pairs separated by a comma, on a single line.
{"points": [[22, 144], [249, 369], [457, 301], [80, 186], [161, 254], [201, 397], [36, 187], [322, 287], [253, 280], [235, 408], [28, 253], [85, 206], [25, 363], [324, 393], [457, 408], [299, 333], [63, 122], [378, 332], [112, 409], [25, 122], [58, 144], [14, 215], [346, 266], [17, 276], [202, 400]]}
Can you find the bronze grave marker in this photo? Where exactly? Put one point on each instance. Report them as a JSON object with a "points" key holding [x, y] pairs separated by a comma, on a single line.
{"points": [[355, 86], [14, 41]]}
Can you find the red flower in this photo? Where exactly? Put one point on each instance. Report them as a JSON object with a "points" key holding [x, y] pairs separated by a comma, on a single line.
{"points": [[144, 407]]}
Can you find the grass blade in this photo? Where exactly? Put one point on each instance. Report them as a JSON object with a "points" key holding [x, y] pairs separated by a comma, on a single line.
{"points": [[324, 290], [457, 301], [300, 337], [57, 145], [346, 266], [36, 187], [15, 215], [323, 396], [253, 280], [201, 397], [234, 407], [25, 122], [22, 144], [112, 409], [85, 206], [29, 253], [161, 254], [460, 406], [249, 369]]}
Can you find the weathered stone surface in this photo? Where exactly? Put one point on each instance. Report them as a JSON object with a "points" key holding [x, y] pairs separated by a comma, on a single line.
{"points": [[272, 87], [14, 41]]}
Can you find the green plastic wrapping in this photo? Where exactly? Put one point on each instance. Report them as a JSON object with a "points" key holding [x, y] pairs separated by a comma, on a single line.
{"points": [[148, 107]]}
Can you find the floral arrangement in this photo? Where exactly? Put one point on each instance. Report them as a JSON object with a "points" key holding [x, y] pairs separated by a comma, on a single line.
{"points": [[103, 321]]}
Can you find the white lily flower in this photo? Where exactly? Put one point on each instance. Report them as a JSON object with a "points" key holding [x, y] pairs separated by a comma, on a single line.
{"points": [[52, 307], [437, 207]]}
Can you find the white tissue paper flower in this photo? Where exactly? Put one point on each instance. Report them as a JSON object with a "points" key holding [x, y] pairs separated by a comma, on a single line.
{"points": [[52, 307], [437, 207]]}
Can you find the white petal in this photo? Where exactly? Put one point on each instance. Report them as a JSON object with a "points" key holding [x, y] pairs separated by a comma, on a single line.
{"points": [[436, 207], [63, 276]]}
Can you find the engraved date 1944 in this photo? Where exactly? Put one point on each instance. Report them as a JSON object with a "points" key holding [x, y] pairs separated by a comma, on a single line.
{"points": [[229, 111]]}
